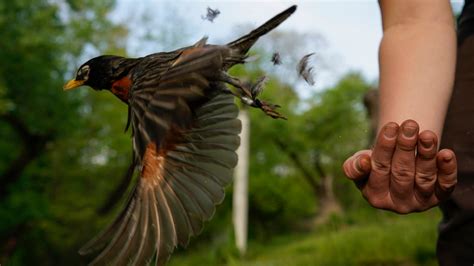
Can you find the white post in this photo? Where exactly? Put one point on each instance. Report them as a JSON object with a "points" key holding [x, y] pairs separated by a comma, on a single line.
{"points": [[240, 196]]}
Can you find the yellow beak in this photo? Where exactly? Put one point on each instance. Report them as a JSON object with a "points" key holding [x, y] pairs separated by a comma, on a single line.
{"points": [[72, 84]]}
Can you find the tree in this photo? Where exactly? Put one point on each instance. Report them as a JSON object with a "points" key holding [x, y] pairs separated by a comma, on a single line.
{"points": [[313, 143], [39, 124], [335, 125], [330, 117]]}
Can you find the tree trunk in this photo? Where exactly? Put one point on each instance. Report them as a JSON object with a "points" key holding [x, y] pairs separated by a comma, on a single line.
{"points": [[328, 203], [371, 103], [240, 195], [322, 189]]}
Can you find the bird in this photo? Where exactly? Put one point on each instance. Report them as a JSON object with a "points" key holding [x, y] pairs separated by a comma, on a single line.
{"points": [[184, 131]]}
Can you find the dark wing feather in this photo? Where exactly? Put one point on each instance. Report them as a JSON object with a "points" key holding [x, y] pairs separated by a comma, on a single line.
{"points": [[185, 137], [163, 99]]}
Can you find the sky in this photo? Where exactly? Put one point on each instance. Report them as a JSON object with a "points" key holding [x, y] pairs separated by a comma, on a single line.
{"points": [[351, 28]]}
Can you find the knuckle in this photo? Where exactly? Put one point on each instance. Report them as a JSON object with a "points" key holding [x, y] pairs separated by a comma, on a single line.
{"points": [[386, 146], [425, 178], [447, 184], [406, 146], [402, 172], [381, 167], [426, 154], [404, 160], [448, 169], [451, 179]]}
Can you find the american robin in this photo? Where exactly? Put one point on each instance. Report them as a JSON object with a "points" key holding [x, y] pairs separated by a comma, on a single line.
{"points": [[185, 133]]}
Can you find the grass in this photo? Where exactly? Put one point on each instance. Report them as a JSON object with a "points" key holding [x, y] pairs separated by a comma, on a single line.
{"points": [[379, 238]]}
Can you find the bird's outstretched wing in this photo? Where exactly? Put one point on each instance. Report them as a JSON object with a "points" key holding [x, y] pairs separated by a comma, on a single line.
{"points": [[185, 139]]}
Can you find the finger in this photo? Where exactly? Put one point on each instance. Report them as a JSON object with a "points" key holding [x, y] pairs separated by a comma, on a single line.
{"points": [[426, 168], [379, 179], [403, 163], [357, 167], [447, 173]]}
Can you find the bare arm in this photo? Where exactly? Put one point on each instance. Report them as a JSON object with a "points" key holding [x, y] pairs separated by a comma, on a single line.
{"points": [[417, 61], [405, 172]]}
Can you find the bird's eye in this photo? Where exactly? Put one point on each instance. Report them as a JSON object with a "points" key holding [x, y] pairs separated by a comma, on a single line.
{"points": [[83, 73]]}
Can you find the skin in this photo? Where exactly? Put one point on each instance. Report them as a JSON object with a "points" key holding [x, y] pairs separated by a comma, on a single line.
{"points": [[405, 172], [417, 59]]}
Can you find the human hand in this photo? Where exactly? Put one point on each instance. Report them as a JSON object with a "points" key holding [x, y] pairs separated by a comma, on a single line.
{"points": [[404, 172]]}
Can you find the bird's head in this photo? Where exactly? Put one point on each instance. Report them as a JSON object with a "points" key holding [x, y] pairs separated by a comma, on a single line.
{"points": [[98, 73]]}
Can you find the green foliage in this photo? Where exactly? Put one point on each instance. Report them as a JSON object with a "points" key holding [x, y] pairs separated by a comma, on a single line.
{"points": [[277, 195], [336, 118], [334, 127], [47, 201], [376, 238], [328, 126], [78, 153], [408, 242]]}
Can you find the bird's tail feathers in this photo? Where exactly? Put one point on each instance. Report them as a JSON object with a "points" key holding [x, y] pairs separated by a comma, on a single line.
{"points": [[244, 43]]}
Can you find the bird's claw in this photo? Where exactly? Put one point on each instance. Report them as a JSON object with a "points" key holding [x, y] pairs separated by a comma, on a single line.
{"points": [[269, 109], [248, 94]]}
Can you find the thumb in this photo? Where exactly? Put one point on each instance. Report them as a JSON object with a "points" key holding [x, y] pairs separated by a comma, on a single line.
{"points": [[358, 166]]}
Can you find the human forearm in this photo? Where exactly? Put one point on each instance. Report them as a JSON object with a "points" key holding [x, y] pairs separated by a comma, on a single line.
{"points": [[417, 62]]}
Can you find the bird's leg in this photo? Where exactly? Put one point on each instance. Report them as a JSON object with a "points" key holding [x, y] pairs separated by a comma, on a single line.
{"points": [[224, 77], [225, 89], [248, 94]]}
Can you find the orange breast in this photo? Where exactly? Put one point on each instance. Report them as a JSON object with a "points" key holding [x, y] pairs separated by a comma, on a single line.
{"points": [[121, 88]]}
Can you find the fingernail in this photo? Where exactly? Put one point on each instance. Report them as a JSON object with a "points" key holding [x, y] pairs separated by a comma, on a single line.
{"points": [[448, 158], [426, 143], [409, 131], [360, 164], [363, 164], [390, 131]]}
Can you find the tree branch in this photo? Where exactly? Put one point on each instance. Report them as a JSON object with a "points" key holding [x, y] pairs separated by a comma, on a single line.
{"points": [[33, 146], [17, 125], [307, 174], [318, 167], [322, 174]]}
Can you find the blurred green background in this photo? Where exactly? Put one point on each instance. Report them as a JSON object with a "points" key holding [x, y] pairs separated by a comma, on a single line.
{"points": [[62, 155]]}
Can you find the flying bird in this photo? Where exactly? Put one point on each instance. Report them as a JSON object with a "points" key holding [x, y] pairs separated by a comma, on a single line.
{"points": [[184, 136]]}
